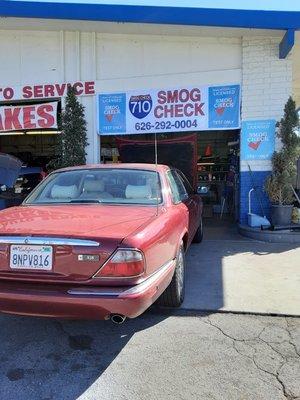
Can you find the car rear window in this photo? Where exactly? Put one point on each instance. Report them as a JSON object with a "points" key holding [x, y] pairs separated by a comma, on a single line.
{"points": [[113, 186]]}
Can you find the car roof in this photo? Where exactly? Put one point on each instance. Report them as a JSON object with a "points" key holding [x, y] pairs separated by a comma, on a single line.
{"points": [[141, 166]]}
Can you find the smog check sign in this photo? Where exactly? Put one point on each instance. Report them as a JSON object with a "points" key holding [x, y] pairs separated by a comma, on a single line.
{"points": [[169, 110], [258, 139]]}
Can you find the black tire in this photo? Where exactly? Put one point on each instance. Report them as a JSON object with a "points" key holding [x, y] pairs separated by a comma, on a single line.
{"points": [[199, 233], [173, 296]]}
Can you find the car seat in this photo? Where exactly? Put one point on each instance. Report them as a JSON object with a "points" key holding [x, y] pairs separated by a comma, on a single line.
{"points": [[138, 192], [59, 192], [94, 189]]}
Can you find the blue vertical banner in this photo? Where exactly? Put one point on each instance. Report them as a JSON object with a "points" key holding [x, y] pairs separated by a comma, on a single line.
{"points": [[112, 113], [258, 139], [224, 107]]}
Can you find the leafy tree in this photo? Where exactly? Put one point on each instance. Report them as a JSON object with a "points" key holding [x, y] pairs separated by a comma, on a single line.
{"points": [[72, 141], [279, 184]]}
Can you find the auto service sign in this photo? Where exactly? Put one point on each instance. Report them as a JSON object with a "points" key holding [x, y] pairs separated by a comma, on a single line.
{"points": [[28, 117], [47, 90], [169, 110]]}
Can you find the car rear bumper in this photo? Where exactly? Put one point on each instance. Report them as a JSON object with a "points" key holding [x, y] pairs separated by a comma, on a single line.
{"points": [[84, 302]]}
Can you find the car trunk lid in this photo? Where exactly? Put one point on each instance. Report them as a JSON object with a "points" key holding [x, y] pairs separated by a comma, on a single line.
{"points": [[79, 239]]}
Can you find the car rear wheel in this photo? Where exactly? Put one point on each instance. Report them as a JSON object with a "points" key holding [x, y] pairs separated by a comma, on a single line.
{"points": [[199, 233], [173, 296]]}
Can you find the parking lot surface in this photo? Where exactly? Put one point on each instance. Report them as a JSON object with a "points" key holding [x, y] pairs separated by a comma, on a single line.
{"points": [[156, 356]]}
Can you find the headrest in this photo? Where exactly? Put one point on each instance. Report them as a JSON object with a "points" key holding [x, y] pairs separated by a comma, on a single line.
{"points": [[63, 192], [93, 186], [138, 192]]}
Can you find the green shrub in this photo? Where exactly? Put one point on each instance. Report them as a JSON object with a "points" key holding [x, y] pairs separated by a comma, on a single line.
{"points": [[279, 184], [72, 140]]}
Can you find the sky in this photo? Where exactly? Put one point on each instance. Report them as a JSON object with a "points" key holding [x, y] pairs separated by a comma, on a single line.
{"points": [[275, 5]]}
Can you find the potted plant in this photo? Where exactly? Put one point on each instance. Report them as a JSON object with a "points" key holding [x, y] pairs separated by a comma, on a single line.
{"points": [[279, 184]]}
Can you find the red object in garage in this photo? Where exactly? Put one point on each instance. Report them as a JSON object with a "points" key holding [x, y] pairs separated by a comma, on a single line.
{"points": [[208, 151]]}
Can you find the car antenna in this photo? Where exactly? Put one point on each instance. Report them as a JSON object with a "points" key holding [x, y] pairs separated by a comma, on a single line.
{"points": [[156, 168]]}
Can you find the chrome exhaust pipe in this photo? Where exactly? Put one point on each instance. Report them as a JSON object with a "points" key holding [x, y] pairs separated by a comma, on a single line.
{"points": [[117, 318]]}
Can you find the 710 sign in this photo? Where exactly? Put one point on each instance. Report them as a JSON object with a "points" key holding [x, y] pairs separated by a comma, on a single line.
{"points": [[140, 106]]}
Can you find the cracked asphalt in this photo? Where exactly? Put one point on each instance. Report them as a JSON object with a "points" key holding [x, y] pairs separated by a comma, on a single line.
{"points": [[157, 356]]}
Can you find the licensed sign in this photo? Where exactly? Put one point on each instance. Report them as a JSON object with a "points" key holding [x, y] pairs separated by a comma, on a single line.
{"points": [[28, 117], [224, 107], [169, 110], [258, 139]]}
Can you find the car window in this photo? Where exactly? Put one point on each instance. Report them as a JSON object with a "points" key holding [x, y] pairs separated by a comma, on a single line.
{"points": [[178, 190], [105, 185], [174, 189], [186, 183]]}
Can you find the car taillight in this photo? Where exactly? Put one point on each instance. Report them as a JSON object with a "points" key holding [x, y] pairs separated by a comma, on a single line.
{"points": [[124, 263]]}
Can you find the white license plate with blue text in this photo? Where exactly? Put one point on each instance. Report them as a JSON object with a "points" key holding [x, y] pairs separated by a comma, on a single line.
{"points": [[31, 257]]}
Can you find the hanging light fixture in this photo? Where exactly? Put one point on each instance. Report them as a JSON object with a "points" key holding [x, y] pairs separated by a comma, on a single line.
{"points": [[42, 132]]}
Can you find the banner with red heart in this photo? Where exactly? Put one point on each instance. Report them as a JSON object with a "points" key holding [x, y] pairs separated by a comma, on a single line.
{"points": [[257, 139]]}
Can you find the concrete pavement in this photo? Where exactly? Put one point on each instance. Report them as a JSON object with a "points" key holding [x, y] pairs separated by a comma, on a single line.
{"points": [[230, 273], [154, 357]]}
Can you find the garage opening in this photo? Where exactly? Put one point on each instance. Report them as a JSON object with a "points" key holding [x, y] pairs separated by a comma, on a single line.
{"points": [[209, 159], [29, 132]]}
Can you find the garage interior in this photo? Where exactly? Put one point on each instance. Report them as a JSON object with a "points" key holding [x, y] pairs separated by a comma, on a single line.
{"points": [[215, 164], [34, 149]]}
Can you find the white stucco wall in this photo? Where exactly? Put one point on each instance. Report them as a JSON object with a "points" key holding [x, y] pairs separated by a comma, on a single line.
{"points": [[116, 63]]}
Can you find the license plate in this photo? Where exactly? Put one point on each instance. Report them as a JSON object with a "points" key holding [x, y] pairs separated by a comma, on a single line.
{"points": [[31, 257]]}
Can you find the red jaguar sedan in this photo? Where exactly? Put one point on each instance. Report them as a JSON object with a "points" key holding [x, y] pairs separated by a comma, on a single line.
{"points": [[99, 242]]}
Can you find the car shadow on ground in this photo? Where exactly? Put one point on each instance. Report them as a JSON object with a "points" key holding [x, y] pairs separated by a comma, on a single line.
{"points": [[45, 359]]}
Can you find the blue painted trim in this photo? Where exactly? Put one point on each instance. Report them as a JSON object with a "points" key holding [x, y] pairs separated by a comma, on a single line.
{"points": [[287, 44], [247, 182], [83, 10]]}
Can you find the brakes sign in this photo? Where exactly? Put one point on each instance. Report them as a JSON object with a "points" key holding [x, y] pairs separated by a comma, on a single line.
{"points": [[28, 117]]}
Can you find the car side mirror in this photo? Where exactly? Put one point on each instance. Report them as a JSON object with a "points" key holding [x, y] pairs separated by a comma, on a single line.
{"points": [[202, 190]]}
